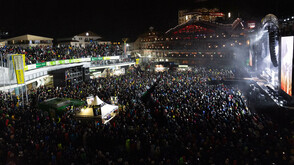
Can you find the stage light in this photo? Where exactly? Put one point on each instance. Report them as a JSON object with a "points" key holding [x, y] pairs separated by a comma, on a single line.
{"points": [[229, 15]]}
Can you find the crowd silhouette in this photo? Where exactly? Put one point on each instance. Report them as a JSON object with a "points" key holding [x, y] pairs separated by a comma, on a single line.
{"points": [[191, 121]]}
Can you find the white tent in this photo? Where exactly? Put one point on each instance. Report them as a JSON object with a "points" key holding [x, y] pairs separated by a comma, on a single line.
{"points": [[106, 109], [97, 101]]}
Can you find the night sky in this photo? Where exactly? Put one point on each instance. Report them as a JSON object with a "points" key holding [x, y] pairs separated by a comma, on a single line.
{"points": [[115, 19]]}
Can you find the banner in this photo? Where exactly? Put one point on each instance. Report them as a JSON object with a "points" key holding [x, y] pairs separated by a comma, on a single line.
{"points": [[66, 61], [51, 63], [39, 65], [30, 67], [86, 59], [77, 60], [96, 58], [18, 64], [111, 58]]}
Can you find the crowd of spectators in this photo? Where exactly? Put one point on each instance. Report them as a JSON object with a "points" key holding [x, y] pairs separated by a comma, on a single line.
{"points": [[38, 54], [185, 120]]}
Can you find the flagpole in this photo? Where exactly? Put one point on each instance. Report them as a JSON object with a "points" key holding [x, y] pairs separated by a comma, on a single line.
{"points": [[27, 98], [9, 77], [22, 96], [4, 75]]}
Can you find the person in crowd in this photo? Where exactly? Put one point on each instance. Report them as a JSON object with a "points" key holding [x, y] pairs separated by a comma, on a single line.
{"points": [[39, 54], [191, 121]]}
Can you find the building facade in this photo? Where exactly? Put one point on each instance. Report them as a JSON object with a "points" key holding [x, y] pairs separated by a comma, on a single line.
{"points": [[80, 40], [196, 41], [202, 14]]}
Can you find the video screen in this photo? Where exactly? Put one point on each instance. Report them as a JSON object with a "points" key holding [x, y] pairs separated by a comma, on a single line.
{"points": [[286, 64]]}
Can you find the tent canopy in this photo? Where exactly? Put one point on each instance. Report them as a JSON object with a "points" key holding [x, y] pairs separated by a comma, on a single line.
{"points": [[97, 101], [105, 108]]}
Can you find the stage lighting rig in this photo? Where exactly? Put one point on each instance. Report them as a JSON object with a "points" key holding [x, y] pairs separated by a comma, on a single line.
{"points": [[271, 24]]}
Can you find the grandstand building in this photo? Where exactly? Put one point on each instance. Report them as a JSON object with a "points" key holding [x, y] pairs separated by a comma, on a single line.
{"points": [[196, 40], [28, 40]]}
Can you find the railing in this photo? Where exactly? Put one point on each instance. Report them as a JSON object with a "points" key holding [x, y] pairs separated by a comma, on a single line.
{"points": [[69, 61]]}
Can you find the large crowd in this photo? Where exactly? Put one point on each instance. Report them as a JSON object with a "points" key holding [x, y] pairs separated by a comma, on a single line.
{"points": [[38, 54], [184, 119]]}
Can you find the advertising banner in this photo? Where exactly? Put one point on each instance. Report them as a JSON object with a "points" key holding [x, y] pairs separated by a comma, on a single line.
{"points": [[96, 58], [39, 65], [51, 63], [18, 64], [111, 58], [86, 59], [30, 67], [77, 60]]}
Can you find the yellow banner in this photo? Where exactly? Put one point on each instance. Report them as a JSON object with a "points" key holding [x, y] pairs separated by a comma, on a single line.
{"points": [[24, 61], [18, 64]]}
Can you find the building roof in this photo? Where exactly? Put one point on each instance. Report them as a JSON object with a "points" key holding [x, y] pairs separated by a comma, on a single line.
{"points": [[194, 26], [28, 37], [90, 33]]}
